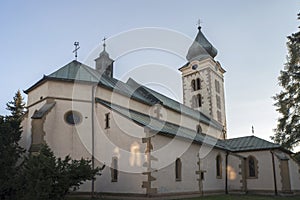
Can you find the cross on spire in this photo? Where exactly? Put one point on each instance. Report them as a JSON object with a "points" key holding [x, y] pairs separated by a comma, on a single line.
{"points": [[76, 44], [104, 45], [199, 22]]}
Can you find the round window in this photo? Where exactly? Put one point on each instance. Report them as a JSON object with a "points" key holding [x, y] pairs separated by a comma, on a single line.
{"points": [[73, 117]]}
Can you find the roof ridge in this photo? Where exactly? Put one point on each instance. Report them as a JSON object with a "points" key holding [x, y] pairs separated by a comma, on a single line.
{"points": [[241, 137], [142, 90], [181, 104]]}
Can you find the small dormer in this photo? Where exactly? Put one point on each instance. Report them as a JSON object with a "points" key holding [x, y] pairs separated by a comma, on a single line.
{"points": [[104, 64]]}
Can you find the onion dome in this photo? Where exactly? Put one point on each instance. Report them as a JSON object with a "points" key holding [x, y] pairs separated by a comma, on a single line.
{"points": [[201, 48]]}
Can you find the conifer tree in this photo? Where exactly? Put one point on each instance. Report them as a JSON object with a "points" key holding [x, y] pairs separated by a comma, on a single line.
{"points": [[16, 106], [10, 151], [287, 132]]}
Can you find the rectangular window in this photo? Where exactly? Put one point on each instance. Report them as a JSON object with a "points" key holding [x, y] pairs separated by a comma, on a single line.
{"points": [[219, 166], [114, 170], [219, 116], [217, 85], [107, 118], [202, 175], [218, 101]]}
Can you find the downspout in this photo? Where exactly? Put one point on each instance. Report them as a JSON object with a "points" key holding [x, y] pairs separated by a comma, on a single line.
{"points": [[93, 136], [226, 173], [274, 174], [245, 175]]}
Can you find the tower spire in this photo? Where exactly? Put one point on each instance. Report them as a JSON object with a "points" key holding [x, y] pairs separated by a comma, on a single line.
{"points": [[104, 45], [76, 44], [201, 48], [104, 64], [199, 22]]}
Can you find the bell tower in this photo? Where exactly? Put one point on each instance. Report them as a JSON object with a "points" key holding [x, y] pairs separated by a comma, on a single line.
{"points": [[104, 64], [203, 80]]}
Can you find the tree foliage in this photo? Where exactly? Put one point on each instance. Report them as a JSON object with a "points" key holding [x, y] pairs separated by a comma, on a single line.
{"points": [[287, 132], [44, 176], [41, 176], [10, 151], [297, 156], [16, 106]]}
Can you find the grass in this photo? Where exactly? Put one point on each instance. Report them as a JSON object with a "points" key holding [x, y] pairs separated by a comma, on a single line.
{"points": [[244, 197], [223, 197]]}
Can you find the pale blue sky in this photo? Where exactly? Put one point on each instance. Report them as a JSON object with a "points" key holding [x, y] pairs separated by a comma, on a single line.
{"points": [[37, 38]]}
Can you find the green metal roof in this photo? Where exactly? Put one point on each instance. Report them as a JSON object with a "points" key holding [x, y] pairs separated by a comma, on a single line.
{"points": [[163, 127], [250, 143], [76, 71], [176, 106]]}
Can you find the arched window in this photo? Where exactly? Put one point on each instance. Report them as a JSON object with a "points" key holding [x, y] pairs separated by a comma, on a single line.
{"points": [[199, 100], [193, 84], [219, 166], [198, 84], [198, 129], [114, 170], [251, 167], [194, 101], [178, 169]]}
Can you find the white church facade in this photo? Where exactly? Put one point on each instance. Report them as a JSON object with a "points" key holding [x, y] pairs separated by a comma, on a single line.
{"points": [[152, 145]]}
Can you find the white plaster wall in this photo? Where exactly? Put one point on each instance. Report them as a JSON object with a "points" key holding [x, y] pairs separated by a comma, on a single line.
{"points": [[83, 92], [65, 139], [277, 172], [211, 182], [25, 140], [294, 174], [234, 173], [76, 141], [26, 137], [168, 151], [265, 180], [36, 94]]}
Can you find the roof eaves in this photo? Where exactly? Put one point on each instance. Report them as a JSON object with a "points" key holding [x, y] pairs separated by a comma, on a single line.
{"points": [[109, 105]]}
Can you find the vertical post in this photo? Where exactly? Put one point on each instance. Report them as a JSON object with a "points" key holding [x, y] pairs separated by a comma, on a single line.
{"points": [[93, 136], [199, 172], [226, 173], [244, 176], [274, 174]]}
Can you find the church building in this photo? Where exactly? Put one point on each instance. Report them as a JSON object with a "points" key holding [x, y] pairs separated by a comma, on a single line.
{"points": [[150, 144]]}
